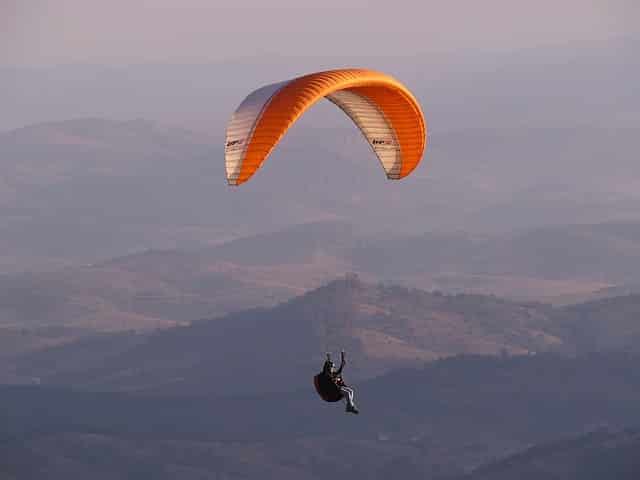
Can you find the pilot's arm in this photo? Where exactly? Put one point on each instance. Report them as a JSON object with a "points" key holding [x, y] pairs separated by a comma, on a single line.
{"points": [[342, 363]]}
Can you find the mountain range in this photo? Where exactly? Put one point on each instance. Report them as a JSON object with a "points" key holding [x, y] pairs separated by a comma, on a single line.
{"points": [[442, 420], [382, 327]]}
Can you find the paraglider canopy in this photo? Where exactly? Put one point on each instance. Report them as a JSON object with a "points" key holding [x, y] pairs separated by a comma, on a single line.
{"points": [[384, 110]]}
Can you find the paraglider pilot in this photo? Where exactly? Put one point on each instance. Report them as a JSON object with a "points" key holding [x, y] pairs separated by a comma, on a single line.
{"points": [[330, 384]]}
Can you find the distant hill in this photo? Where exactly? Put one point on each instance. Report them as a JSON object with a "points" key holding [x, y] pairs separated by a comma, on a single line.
{"points": [[606, 324], [381, 327], [80, 190], [161, 287], [110, 297], [605, 252], [594, 456], [438, 421]]}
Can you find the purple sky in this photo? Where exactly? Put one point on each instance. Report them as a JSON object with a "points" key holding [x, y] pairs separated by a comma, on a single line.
{"points": [[50, 32]]}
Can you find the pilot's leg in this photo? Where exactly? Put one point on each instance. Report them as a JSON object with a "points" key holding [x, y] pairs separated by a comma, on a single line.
{"points": [[348, 395]]}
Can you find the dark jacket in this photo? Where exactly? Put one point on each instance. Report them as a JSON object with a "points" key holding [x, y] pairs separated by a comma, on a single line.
{"points": [[327, 370]]}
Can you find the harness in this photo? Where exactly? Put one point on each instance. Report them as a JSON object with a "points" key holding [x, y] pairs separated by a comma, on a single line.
{"points": [[328, 388]]}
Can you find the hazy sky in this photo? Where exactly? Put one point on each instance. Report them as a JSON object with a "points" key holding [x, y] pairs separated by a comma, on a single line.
{"points": [[46, 32]]}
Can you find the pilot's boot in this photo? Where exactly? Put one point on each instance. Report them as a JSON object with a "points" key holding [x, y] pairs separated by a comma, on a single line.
{"points": [[352, 409]]}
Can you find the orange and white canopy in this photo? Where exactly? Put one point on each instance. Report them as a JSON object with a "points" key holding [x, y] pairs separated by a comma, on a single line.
{"points": [[386, 112]]}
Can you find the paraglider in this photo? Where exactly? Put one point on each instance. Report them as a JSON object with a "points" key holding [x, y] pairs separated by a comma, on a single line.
{"points": [[331, 386], [384, 110]]}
